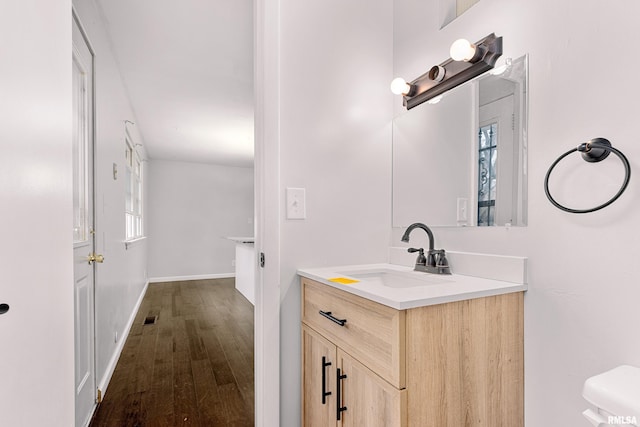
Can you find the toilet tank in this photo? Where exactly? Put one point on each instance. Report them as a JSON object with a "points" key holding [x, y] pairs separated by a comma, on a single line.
{"points": [[616, 396]]}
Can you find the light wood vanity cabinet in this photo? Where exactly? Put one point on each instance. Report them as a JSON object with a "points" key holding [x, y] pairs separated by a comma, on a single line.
{"points": [[449, 365]]}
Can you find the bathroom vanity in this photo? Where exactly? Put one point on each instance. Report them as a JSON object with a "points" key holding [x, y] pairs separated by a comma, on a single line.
{"points": [[382, 348]]}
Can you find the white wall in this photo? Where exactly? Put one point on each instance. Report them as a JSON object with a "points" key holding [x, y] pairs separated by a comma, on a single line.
{"points": [[121, 279], [192, 208], [335, 141], [36, 259], [580, 308]]}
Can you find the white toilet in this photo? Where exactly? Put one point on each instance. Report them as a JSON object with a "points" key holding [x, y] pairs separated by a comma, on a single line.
{"points": [[616, 396]]}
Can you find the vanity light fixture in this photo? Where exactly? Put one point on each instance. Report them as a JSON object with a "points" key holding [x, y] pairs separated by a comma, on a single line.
{"points": [[435, 99], [501, 69], [467, 61], [462, 50], [400, 87]]}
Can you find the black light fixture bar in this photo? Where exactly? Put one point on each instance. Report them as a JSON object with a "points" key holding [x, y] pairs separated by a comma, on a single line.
{"points": [[432, 83]]}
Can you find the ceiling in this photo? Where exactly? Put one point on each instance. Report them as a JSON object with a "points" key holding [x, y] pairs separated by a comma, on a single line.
{"points": [[188, 68]]}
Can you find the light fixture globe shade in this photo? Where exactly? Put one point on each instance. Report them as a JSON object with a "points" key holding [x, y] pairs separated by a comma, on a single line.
{"points": [[399, 86], [462, 50], [435, 99]]}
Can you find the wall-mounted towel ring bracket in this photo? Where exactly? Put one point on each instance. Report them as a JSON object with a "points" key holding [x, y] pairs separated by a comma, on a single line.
{"points": [[593, 151]]}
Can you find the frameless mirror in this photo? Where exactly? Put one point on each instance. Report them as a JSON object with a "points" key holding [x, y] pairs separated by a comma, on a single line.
{"points": [[463, 160]]}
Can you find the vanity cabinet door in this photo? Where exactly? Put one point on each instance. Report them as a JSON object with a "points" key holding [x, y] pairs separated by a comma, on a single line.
{"points": [[367, 399], [318, 378]]}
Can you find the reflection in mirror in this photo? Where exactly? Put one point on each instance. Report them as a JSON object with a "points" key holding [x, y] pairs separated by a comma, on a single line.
{"points": [[463, 161]]}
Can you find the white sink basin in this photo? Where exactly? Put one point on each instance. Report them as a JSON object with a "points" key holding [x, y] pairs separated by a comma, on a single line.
{"points": [[396, 279]]}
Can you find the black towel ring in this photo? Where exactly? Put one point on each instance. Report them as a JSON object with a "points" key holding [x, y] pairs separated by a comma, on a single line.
{"points": [[593, 151]]}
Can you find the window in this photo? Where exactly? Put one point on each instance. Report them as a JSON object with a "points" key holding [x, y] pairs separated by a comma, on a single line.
{"points": [[487, 156], [80, 153], [133, 194], [498, 171]]}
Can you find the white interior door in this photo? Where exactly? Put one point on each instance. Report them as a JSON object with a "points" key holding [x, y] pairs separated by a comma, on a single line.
{"points": [[83, 231]]}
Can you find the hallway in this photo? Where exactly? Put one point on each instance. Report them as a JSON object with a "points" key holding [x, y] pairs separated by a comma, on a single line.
{"points": [[193, 367]]}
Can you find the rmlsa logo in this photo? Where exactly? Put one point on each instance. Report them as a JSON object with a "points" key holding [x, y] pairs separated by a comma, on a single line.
{"points": [[620, 420]]}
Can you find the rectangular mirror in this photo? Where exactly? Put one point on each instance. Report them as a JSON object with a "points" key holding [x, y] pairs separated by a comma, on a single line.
{"points": [[463, 160]]}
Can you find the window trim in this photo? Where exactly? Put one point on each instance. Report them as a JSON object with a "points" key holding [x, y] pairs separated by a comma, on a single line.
{"points": [[128, 244], [134, 178]]}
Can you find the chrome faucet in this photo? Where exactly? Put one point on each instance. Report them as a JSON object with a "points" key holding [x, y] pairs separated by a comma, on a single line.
{"points": [[436, 259]]}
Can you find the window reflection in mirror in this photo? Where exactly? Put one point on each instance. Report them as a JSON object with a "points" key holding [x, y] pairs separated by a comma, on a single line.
{"points": [[487, 159], [463, 161]]}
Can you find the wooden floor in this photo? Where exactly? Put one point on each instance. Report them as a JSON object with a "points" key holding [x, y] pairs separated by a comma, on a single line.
{"points": [[193, 367]]}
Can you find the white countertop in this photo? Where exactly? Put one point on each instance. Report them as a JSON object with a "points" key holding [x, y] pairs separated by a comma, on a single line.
{"points": [[438, 289], [242, 239]]}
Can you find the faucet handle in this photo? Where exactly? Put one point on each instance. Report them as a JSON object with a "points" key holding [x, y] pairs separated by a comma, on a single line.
{"points": [[442, 260], [421, 258], [442, 265]]}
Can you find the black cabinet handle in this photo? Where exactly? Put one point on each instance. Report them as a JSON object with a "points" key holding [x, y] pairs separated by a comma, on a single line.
{"points": [[4, 308], [339, 409], [325, 393], [328, 315]]}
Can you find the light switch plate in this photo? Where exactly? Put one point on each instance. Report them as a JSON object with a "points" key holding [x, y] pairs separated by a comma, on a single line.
{"points": [[296, 208], [463, 210]]}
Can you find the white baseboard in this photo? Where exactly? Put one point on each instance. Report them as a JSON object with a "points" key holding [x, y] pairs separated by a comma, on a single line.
{"points": [[193, 277], [104, 381]]}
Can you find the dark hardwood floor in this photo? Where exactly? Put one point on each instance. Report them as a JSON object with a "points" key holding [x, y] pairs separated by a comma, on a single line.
{"points": [[193, 367]]}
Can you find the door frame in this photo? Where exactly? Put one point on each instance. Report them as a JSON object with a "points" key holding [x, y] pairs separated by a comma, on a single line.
{"points": [[92, 188], [267, 203]]}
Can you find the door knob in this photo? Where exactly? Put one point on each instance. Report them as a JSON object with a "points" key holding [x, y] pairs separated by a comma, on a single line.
{"points": [[96, 258]]}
